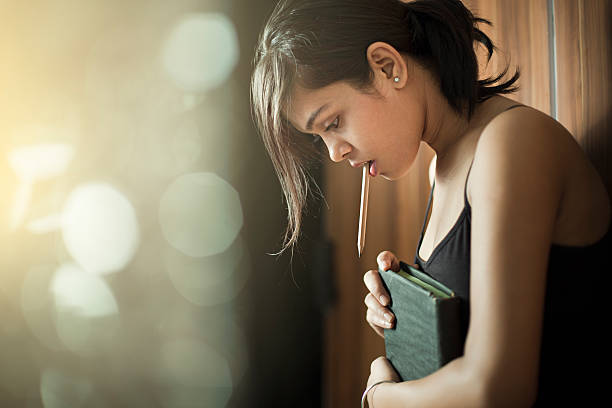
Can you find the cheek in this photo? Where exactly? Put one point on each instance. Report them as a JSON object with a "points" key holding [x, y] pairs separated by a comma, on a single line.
{"points": [[367, 133], [401, 153]]}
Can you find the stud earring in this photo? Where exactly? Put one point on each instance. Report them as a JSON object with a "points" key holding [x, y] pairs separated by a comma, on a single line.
{"points": [[396, 79]]}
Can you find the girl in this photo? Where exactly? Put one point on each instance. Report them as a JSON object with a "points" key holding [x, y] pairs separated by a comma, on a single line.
{"points": [[519, 214]]}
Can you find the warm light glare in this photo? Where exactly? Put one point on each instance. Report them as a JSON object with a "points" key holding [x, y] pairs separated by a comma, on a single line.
{"points": [[21, 202], [45, 225], [125, 137], [39, 162], [32, 164]]}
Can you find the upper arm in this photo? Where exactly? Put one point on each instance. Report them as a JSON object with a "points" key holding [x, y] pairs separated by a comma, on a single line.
{"points": [[516, 184]]}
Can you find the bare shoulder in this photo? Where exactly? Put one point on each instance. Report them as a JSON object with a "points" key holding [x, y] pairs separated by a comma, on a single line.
{"points": [[523, 143], [532, 147], [526, 118], [525, 129]]}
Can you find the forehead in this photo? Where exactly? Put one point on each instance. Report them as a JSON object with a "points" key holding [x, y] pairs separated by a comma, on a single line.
{"points": [[304, 102]]}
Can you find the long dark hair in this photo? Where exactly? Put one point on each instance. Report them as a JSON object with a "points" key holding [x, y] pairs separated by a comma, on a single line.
{"points": [[315, 43]]}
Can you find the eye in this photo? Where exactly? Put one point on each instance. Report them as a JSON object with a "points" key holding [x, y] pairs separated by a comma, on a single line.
{"points": [[334, 124]]}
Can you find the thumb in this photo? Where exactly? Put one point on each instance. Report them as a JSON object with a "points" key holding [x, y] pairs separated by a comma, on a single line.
{"points": [[387, 260]]}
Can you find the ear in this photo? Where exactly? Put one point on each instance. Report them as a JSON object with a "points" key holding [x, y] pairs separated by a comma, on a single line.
{"points": [[387, 64]]}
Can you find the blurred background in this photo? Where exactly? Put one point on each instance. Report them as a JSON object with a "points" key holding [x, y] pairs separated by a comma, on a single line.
{"points": [[137, 210], [138, 207]]}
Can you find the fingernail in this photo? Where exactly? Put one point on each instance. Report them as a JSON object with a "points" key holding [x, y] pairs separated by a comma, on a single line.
{"points": [[388, 316], [384, 300]]}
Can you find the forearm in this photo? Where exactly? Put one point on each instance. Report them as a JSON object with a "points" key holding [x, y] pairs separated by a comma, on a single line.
{"points": [[453, 385]]}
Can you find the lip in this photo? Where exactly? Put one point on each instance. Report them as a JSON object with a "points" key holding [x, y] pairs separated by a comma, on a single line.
{"points": [[359, 164]]}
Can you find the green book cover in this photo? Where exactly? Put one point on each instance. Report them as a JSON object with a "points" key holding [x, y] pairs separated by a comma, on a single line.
{"points": [[427, 332]]}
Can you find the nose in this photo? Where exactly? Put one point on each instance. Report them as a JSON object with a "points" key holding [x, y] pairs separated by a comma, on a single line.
{"points": [[338, 150]]}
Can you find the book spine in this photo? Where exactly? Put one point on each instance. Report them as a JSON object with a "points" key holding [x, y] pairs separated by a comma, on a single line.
{"points": [[451, 340]]}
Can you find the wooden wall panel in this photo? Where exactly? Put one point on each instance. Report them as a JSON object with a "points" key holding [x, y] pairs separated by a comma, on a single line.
{"points": [[584, 77], [341, 193], [350, 343], [569, 75], [520, 31]]}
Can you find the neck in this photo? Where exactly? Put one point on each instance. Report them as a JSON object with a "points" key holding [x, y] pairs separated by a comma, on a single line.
{"points": [[444, 126], [445, 129]]}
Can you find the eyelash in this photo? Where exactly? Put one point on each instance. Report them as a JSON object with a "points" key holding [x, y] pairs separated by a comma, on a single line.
{"points": [[334, 124]]}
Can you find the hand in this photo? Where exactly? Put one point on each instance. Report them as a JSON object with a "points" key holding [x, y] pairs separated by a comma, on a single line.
{"points": [[378, 316], [380, 369]]}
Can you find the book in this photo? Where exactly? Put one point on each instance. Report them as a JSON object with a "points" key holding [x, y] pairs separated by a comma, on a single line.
{"points": [[427, 332]]}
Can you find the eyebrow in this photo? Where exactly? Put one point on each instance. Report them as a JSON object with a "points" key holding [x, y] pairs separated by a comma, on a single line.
{"points": [[313, 117]]}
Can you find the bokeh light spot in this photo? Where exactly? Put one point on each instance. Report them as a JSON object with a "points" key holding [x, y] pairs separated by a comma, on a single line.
{"points": [[200, 214], [86, 312], [99, 228], [219, 329], [59, 390], [193, 374], [201, 51], [209, 280], [83, 293], [37, 305]]}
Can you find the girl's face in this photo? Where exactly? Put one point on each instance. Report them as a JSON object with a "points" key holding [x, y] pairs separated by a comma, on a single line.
{"points": [[385, 128]]}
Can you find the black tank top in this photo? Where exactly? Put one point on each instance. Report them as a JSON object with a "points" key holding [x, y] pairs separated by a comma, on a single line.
{"points": [[574, 356]]}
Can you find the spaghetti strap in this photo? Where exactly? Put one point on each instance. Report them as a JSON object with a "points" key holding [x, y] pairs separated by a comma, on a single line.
{"points": [[518, 105], [465, 198], [426, 215]]}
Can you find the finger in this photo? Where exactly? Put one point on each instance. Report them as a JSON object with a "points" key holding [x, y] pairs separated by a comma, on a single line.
{"points": [[374, 284], [373, 318], [387, 260], [384, 317], [379, 330]]}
